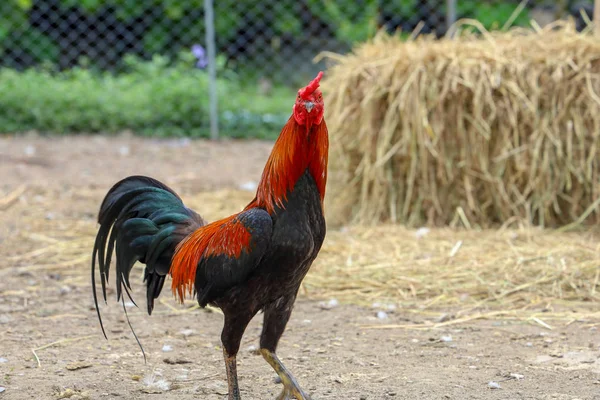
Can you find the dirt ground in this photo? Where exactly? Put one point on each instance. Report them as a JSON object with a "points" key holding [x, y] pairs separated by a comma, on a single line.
{"points": [[50, 190]]}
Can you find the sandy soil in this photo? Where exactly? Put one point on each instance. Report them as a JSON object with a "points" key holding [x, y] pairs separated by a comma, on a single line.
{"points": [[335, 353]]}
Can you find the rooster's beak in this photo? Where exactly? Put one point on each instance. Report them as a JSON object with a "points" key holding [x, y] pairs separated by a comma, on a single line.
{"points": [[309, 105]]}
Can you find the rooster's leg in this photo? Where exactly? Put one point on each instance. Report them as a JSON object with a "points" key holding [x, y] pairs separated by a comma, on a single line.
{"points": [[232, 380], [233, 330], [291, 389], [276, 318]]}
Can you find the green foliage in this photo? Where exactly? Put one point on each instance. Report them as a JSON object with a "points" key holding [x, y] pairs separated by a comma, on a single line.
{"points": [[33, 42], [157, 39], [130, 8], [353, 20], [152, 98], [13, 16], [493, 15], [88, 5], [350, 20]]}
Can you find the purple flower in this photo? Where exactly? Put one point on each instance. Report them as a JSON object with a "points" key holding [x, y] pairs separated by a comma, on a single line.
{"points": [[200, 54]]}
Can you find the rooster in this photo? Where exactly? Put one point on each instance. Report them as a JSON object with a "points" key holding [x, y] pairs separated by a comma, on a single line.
{"points": [[251, 261]]}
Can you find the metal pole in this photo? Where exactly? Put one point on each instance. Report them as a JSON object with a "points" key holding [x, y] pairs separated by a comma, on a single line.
{"points": [[209, 16], [450, 13], [597, 17]]}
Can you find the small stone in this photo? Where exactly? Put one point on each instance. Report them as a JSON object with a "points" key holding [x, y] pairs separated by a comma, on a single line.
{"points": [[55, 276], [78, 365], [529, 344], [187, 332], [29, 150], [382, 315], [124, 150], [151, 391], [329, 305], [176, 361], [2, 389], [444, 317], [252, 349], [517, 376], [446, 338], [166, 348], [494, 385], [69, 394], [3, 360]]}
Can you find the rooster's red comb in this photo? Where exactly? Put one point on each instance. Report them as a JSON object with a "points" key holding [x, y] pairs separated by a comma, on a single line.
{"points": [[305, 92]]}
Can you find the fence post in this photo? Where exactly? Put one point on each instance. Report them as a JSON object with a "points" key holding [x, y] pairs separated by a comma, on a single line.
{"points": [[209, 16], [597, 17], [450, 13]]}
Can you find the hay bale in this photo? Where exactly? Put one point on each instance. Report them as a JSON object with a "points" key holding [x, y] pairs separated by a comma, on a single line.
{"points": [[477, 130]]}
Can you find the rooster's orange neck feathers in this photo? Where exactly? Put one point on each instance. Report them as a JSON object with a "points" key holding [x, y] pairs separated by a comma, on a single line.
{"points": [[298, 148]]}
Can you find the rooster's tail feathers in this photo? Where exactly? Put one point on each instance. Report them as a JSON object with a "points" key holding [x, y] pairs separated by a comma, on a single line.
{"points": [[141, 219]]}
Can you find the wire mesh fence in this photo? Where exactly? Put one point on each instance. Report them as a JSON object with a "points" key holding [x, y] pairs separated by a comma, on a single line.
{"points": [[262, 48]]}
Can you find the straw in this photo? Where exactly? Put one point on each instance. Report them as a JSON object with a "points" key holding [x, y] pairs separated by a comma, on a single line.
{"points": [[470, 131]]}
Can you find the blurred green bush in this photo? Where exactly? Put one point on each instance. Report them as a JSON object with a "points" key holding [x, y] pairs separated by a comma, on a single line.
{"points": [[158, 98]]}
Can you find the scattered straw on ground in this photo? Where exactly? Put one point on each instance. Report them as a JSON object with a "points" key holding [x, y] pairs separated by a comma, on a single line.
{"points": [[522, 273], [471, 131], [527, 270]]}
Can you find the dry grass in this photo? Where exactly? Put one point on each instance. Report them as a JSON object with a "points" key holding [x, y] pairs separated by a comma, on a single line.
{"points": [[479, 130], [525, 271], [510, 273]]}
